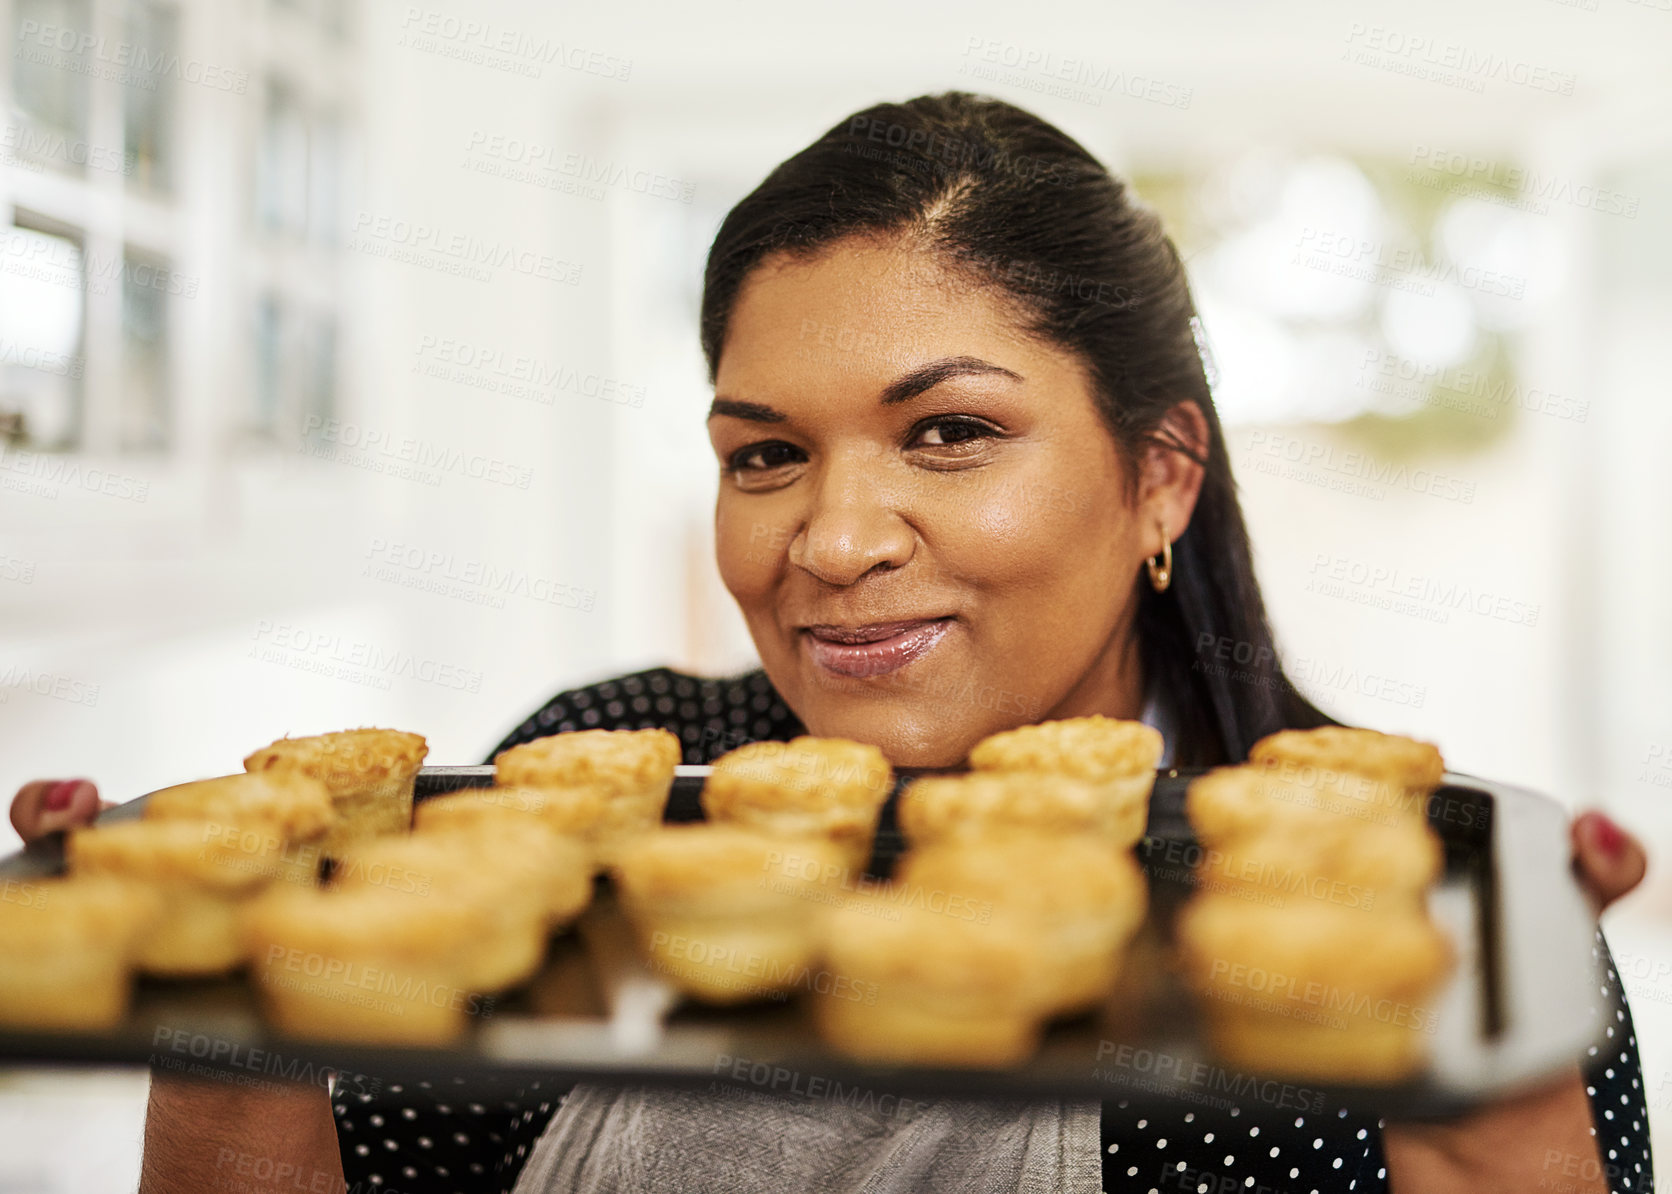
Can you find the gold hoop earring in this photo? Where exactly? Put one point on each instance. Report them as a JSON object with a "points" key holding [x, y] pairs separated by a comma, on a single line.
{"points": [[1161, 574]]}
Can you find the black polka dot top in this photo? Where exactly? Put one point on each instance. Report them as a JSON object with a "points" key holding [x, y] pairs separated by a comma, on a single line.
{"points": [[438, 1136], [711, 717]]}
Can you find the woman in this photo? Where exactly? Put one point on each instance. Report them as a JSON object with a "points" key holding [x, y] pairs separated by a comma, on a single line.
{"points": [[972, 477]]}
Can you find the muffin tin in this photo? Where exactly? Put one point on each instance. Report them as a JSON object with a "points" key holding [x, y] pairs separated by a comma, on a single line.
{"points": [[1519, 1006]]}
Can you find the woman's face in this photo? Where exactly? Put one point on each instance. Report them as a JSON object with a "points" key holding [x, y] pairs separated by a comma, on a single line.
{"points": [[921, 514]]}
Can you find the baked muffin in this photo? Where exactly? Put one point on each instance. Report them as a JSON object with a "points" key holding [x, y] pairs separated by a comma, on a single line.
{"points": [[1228, 804], [806, 787], [202, 873], [1343, 1049], [290, 806], [1315, 990], [67, 949], [925, 988], [554, 868], [574, 813], [629, 771], [1386, 772], [636, 765], [1093, 748], [1375, 955], [469, 804], [1119, 756], [369, 773], [985, 803], [1231, 803], [1081, 895], [1339, 860], [1392, 757], [728, 914], [370, 964], [511, 904], [295, 805]]}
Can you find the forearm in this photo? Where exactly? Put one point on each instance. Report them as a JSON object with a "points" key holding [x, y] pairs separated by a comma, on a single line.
{"points": [[1536, 1142], [208, 1137]]}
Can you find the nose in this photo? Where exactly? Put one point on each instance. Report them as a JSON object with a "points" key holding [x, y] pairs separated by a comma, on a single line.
{"points": [[853, 527]]}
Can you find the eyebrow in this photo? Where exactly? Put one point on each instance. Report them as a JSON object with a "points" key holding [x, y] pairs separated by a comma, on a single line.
{"points": [[901, 389], [755, 412], [927, 377]]}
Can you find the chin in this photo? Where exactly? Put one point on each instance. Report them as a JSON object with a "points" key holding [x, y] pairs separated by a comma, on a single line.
{"points": [[908, 737]]}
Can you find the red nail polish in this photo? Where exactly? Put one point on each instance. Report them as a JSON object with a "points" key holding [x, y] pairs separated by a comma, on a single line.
{"points": [[58, 796], [1610, 837]]}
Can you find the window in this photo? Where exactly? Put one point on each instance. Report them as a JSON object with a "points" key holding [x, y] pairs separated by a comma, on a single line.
{"points": [[297, 236], [267, 393], [325, 181], [281, 188], [43, 287], [148, 102], [145, 413], [112, 222], [295, 362], [51, 85]]}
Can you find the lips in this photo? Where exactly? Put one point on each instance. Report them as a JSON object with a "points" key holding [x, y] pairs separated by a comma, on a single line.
{"points": [[874, 649]]}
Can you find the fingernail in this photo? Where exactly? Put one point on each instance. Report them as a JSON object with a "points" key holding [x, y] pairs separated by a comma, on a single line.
{"points": [[59, 795], [1609, 837]]}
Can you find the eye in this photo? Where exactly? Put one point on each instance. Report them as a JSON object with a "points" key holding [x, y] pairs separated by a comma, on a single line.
{"points": [[761, 457], [951, 430]]}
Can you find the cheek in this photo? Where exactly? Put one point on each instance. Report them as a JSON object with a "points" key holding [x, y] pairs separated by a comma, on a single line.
{"points": [[1028, 537], [747, 549]]}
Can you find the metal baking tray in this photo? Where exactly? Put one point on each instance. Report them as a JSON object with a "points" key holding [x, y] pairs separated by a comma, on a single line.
{"points": [[1517, 1007]]}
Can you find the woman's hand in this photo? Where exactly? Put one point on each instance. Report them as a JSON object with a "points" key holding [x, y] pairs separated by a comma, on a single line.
{"points": [[1540, 1139], [1608, 861], [47, 805]]}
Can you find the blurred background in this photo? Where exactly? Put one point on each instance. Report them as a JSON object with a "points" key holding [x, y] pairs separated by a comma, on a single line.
{"points": [[349, 371]]}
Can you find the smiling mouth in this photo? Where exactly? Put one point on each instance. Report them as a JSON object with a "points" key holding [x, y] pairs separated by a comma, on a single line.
{"points": [[873, 650]]}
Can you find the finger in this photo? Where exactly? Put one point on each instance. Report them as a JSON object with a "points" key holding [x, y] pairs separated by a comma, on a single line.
{"points": [[39, 806], [71, 803], [26, 808], [1608, 861], [47, 806], [81, 808]]}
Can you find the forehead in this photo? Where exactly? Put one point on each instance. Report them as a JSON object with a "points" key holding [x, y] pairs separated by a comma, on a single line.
{"points": [[868, 310]]}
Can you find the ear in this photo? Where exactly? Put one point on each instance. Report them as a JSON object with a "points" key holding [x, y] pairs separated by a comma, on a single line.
{"points": [[1169, 475]]}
